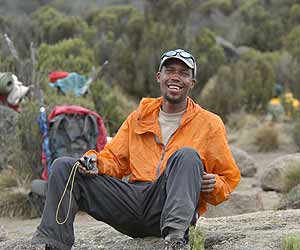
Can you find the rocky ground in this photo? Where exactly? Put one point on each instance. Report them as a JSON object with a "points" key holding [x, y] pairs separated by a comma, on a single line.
{"points": [[258, 227], [254, 231], [249, 220]]}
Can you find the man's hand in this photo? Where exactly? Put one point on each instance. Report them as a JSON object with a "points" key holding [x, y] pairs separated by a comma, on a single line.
{"points": [[82, 169], [208, 183]]}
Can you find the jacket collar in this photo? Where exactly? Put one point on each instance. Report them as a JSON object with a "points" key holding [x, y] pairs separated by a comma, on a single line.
{"points": [[148, 111]]}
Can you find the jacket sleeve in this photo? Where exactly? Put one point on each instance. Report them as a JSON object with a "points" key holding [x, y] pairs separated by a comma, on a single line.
{"points": [[113, 160], [222, 165]]}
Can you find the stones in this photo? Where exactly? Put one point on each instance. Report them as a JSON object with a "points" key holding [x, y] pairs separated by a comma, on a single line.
{"points": [[291, 200], [275, 176], [244, 161], [240, 202], [254, 231]]}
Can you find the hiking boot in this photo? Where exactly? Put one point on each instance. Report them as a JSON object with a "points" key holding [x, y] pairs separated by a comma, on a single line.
{"points": [[176, 244], [48, 247]]}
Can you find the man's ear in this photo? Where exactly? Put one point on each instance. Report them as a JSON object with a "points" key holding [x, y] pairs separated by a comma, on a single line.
{"points": [[193, 83], [158, 74]]}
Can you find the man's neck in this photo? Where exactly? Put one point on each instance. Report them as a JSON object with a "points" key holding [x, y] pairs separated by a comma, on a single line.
{"points": [[168, 107]]}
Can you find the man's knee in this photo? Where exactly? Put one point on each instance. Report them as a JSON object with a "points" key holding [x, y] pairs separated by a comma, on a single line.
{"points": [[189, 155], [62, 164], [187, 152]]}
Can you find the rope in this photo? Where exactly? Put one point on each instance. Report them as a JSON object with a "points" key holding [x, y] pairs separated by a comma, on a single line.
{"points": [[72, 176]]}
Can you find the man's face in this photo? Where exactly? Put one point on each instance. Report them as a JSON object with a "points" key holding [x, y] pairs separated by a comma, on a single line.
{"points": [[175, 80]]}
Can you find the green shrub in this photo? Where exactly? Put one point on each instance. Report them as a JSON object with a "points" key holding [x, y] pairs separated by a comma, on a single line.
{"points": [[70, 55], [266, 138], [196, 238], [292, 178], [217, 95], [53, 26], [26, 157], [257, 79], [210, 7], [111, 105], [291, 242]]}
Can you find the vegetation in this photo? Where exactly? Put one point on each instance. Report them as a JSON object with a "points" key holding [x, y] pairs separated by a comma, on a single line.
{"points": [[235, 76], [196, 238], [266, 138], [292, 178], [291, 242]]}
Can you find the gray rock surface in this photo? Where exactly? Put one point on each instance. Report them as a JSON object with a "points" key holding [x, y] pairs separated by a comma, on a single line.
{"points": [[240, 202], [274, 176], [8, 123], [254, 231], [291, 200], [244, 161]]}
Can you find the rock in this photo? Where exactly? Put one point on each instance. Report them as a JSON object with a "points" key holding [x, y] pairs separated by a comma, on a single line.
{"points": [[240, 202], [244, 161], [291, 200], [255, 231], [270, 200], [274, 177], [3, 234], [8, 124]]}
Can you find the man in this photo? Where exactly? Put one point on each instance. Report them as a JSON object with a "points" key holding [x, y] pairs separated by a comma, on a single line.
{"points": [[176, 155]]}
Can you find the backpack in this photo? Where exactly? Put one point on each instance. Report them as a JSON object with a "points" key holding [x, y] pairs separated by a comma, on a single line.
{"points": [[72, 131]]}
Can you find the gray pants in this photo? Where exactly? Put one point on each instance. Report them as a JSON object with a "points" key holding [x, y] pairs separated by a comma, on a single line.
{"points": [[136, 209]]}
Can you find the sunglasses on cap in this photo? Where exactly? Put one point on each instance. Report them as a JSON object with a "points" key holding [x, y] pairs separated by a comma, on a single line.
{"points": [[179, 52], [182, 55]]}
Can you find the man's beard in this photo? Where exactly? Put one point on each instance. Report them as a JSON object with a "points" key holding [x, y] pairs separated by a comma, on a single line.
{"points": [[172, 100]]}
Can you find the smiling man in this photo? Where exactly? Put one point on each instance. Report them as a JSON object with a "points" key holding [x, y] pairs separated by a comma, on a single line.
{"points": [[175, 154]]}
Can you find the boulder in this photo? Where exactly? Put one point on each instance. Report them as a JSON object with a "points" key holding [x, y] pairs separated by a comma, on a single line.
{"points": [[244, 161], [274, 176], [240, 202], [8, 124], [254, 231], [291, 200]]}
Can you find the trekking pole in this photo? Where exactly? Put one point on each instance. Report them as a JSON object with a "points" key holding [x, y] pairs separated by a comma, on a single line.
{"points": [[43, 124]]}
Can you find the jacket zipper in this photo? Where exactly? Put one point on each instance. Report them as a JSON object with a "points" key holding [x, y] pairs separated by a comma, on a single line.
{"points": [[163, 153]]}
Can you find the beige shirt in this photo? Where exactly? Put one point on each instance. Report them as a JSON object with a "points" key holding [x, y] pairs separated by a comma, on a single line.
{"points": [[168, 122]]}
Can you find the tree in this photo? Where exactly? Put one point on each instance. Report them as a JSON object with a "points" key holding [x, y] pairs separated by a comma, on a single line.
{"points": [[53, 26], [67, 55], [210, 56]]}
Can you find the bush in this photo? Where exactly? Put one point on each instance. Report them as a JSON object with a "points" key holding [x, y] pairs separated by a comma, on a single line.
{"points": [[210, 7], [196, 239], [71, 55], [217, 96], [111, 105], [291, 242], [266, 138], [26, 158], [53, 26], [258, 80], [292, 178]]}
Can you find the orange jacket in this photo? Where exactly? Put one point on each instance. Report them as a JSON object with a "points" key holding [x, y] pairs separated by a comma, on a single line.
{"points": [[134, 150]]}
